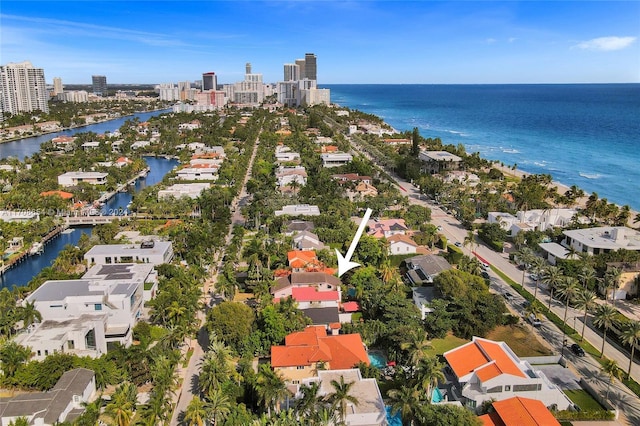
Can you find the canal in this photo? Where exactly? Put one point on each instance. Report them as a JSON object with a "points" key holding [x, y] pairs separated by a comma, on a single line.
{"points": [[24, 271]]}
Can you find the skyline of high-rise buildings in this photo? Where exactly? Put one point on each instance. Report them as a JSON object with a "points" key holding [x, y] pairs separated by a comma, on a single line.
{"points": [[23, 89]]}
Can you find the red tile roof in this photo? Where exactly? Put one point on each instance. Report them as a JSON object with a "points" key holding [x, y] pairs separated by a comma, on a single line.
{"points": [[312, 345], [487, 358], [311, 294], [350, 307], [518, 411]]}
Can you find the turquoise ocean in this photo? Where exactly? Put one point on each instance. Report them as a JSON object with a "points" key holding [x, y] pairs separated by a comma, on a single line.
{"points": [[581, 134]]}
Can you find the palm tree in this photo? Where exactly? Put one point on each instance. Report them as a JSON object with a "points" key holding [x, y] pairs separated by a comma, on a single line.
{"points": [[270, 387], [196, 413], [217, 406], [612, 280], [215, 367], [605, 317], [308, 404], [553, 277], [469, 240], [631, 336], [30, 314], [538, 267], [406, 400], [122, 405], [524, 255], [341, 397], [585, 300], [610, 368], [387, 271], [429, 373], [568, 289], [586, 274], [416, 345]]}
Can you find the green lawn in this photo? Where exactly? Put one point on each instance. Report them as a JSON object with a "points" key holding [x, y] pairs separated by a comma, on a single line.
{"points": [[583, 400], [440, 346]]}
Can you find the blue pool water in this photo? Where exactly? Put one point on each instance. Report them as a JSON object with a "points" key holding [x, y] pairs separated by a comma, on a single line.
{"points": [[436, 396], [377, 360], [393, 420]]}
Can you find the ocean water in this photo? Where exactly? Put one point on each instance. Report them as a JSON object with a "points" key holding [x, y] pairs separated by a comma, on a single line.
{"points": [[581, 134]]}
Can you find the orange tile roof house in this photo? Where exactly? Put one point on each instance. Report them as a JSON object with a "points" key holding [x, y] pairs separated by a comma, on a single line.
{"points": [[305, 352], [486, 370], [518, 411]]}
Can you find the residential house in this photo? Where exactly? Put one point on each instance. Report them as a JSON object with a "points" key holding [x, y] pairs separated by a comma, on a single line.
{"points": [[519, 411], [370, 409], [298, 210], [603, 239], [310, 297], [361, 191], [306, 352], [424, 268], [321, 281], [399, 141], [179, 190], [64, 403], [335, 159], [554, 251], [485, 370], [306, 240], [74, 178], [422, 297], [401, 244], [386, 227], [629, 279], [150, 251], [90, 146], [537, 219], [294, 226], [198, 172], [299, 260], [438, 162], [285, 176]]}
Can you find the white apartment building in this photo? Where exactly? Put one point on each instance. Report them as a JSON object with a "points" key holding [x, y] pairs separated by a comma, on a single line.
{"points": [[74, 178], [151, 251], [74, 96], [23, 89]]}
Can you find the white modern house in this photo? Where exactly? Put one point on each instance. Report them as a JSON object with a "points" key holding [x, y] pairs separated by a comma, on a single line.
{"points": [[150, 251], [298, 210], [64, 403], [602, 239], [486, 370], [536, 219], [179, 190], [198, 172], [335, 159], [285, 176], [74, 178]]}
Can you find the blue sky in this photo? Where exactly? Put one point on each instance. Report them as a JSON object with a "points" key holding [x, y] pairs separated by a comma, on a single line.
{"points": [[355, 41]]}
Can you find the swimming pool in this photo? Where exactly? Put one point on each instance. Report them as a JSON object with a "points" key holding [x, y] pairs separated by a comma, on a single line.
{"points": [[436, 396], [377, 359], [393, 420]]}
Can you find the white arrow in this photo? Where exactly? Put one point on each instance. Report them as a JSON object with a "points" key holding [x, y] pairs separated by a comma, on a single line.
{"points": [[345, 263]]}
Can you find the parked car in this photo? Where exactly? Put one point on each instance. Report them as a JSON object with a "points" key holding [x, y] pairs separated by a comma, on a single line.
{"points": [[576, 349], [507, 295], [533, 277], [485, 275], [534, 320], [458, 244]]}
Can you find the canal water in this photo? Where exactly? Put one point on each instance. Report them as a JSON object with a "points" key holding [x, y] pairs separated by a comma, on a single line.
{"points": [[23, 272]]}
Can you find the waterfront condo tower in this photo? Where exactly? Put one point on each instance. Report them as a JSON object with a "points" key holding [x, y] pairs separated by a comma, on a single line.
{"points": [[22, 89], [57, 86], [99, 83], [310, 66], [291, 72], [209, 81]]}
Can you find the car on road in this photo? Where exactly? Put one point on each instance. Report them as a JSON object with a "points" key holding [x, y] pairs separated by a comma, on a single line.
{"points": [[533, 277], [458, 244], [576, 349], [507, 295], [439, 228], [485, 275], [534, 320]]}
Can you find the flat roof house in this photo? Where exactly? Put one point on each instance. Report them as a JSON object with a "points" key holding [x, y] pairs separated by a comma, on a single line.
{"points": [[603, 239], [486, 370], [335, 159], [153, 252], [179, 190], [438, 161], [298, 210], [74, 178]]}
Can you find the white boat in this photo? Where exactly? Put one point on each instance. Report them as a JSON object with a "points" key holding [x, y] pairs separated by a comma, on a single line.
{"points": [[36, 248]]}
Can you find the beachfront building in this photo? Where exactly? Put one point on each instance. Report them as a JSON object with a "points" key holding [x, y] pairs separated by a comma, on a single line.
{"points": [[602, 239], [438, 162], [64, 403], [335, 159], [74, 178], [298, 210], [306, 352], [150, 251], [179, 190], [537, 220], [485, 370]]}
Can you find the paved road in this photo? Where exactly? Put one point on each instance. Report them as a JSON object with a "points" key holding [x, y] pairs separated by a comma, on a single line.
{"points": [[627, 403], [190, 375]]}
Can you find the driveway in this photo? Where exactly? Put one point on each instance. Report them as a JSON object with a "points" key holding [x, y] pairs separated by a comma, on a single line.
{"points": [[560, 376]]}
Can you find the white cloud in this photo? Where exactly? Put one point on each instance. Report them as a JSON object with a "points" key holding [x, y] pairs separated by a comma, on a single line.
{"points": [[606, 43], [490, 40], [512, 39]]}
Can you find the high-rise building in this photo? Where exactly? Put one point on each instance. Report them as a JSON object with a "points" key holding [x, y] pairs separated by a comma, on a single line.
{"points": [[310, 66], [209, 81], [22, 89], [57, 86], [99, 83], [291, 72], [247, 68], [301, 68]]}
